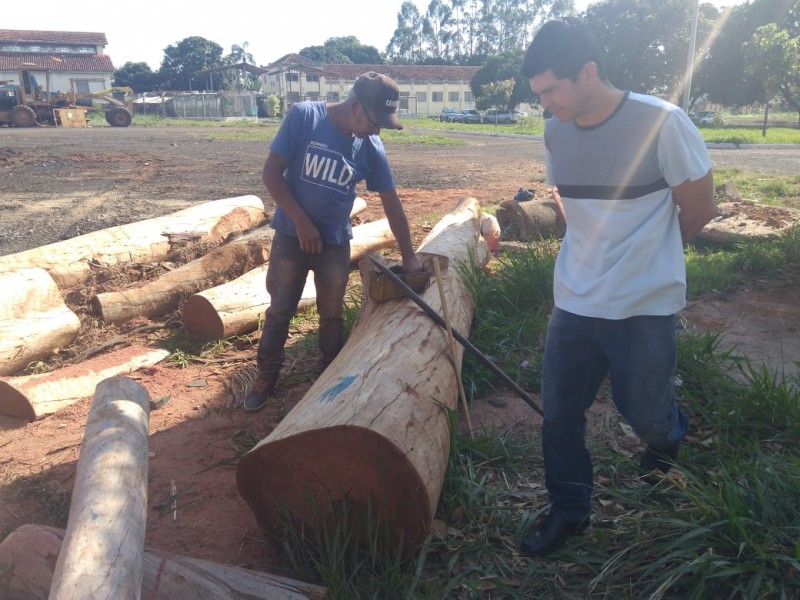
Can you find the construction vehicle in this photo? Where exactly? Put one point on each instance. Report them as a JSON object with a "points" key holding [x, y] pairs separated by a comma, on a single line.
{"points": [[28, 103]]}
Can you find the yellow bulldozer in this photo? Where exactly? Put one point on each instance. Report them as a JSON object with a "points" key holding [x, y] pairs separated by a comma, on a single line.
{"points": [[30, 102]]}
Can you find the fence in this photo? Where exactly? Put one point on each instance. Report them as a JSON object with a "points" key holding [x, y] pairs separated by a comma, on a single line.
{"points": [[199, 105]]}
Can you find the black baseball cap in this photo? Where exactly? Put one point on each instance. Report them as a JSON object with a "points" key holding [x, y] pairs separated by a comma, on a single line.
{"points": [[380, 94]]}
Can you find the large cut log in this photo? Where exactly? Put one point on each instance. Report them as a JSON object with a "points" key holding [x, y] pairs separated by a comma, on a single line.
{"points": [[530, 220], [371, 436], [164, 293], [28, 557], [236, 307], [143, 241], [103, 550], [240, 255], [34, 321], [34, 396]]}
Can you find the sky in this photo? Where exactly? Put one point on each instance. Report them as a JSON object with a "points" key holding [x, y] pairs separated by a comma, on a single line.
{"points": [[141, 34]]}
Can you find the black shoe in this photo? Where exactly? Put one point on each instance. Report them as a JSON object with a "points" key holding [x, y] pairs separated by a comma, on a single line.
{"points": [[659, 460], [551, 534], [260, 392]]}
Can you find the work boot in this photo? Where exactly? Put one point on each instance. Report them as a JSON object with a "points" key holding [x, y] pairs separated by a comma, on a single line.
{"points": [[659, 460], [263, 387], [551, 534]]}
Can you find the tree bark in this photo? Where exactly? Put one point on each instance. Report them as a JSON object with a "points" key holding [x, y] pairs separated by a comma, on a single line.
{"points": [[103, 550], [28, 557], [371, 437], [34, 396], [164, 294], [34, 321], [68, 262], [236, 307]]}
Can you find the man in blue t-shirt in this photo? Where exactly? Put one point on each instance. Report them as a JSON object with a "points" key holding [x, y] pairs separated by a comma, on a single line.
{"points": [[315, 161], [635, 182]]}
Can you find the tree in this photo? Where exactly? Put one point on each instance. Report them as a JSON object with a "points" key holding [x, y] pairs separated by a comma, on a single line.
{"points": [[405, 47], [772, 56], [343, 50], [241, 79], [496, 94], [505, 67], [137, 76], [183, 62], [646, 42]]}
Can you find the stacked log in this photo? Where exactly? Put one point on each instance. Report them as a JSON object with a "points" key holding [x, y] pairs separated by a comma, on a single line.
{"points": [[28, 556], [235, 307], [530, 219], [34, 321], [68, 262], [371, 437], [34, 396]]}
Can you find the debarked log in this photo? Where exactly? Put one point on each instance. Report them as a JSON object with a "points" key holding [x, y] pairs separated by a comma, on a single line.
{"points": [[28, 556], [102, 554], [34, 321], [370, 439], [34, 396], [530, 220], [68, 261], [236, 307], [164, 293]]}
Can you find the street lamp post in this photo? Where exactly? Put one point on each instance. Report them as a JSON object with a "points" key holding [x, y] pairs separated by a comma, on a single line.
{"points": [[687, 88]]}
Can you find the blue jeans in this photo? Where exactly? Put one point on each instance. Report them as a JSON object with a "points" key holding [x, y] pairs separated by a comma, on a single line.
{"points": [[286, 277], [640, 354]]}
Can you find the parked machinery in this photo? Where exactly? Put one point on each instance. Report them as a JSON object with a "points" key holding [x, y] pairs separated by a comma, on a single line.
{"points": [[27, 103]]}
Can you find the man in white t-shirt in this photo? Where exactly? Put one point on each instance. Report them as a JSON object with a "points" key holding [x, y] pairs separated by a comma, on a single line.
{"points": [[635, 181]]}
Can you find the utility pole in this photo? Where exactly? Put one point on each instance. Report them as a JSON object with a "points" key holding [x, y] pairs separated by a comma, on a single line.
{"points": [[687, 87]]}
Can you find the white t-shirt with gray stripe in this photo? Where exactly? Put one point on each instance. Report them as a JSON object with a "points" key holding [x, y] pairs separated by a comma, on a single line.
{"points": [[622, 254]]}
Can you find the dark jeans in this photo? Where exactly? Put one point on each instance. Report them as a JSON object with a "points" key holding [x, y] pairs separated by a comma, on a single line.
{"points": [[286, 276], [640, 355]]}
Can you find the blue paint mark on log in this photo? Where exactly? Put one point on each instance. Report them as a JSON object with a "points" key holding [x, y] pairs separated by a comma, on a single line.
{"points": [[330, 394]]}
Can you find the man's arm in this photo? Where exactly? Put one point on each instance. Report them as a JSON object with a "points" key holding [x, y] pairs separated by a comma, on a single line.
{"points": [[399, 226], [272, 176], [697, 206]]}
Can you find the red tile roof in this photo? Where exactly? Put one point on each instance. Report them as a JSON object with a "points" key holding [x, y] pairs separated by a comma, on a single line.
{"points": [[89, 64], [54, 37]]}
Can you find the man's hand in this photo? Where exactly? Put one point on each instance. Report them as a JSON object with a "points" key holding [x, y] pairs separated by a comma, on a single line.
{"points": [[412, 264], [308, 236]]}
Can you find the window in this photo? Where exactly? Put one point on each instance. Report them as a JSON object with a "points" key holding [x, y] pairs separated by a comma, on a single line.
{"points": [[293, 97], [312, 96], [437, 96], [292, 76], [82, 86], [468, 97], [312, 77], [422, 96], [333, 96], [453, 96]]}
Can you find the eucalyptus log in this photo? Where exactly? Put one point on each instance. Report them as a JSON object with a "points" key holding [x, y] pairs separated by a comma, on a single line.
{"points": [[28, 557], [530, 219], [34, 321], [236, 307], [103, 550], [371, 437], [34, 396], [70, 261], [164, 293]]}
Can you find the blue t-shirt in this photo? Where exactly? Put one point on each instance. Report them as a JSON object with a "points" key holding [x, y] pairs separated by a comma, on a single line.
{"points": [[324, 167]]}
